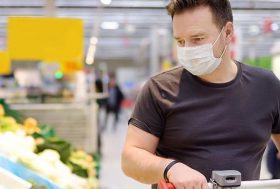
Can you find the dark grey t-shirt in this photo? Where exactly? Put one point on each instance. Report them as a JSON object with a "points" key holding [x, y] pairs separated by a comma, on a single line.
{"points": [[211, 126]]}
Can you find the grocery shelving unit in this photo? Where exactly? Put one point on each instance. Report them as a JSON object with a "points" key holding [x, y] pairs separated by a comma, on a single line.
{"points": [[10, 181]]}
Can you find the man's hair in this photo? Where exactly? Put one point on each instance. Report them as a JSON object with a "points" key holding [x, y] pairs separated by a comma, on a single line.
{"points": [[221, 9]]}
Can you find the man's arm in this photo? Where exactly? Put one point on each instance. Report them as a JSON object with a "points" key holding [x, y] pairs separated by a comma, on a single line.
{"points": [[276, 140], [140, 162], [138, 158]]}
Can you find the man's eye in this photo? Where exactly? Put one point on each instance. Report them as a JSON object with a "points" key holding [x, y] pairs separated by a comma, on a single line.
{"points": [[197, 39], [181, 43]]}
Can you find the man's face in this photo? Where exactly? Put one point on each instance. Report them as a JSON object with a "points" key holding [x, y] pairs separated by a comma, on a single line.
{"points": [[197, 27]]}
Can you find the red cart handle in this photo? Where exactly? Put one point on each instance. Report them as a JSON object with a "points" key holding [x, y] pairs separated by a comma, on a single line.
{"points": [[164, 185]]}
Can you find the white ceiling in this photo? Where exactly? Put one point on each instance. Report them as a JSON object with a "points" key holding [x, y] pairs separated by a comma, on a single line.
{"points": [[140, 16]]}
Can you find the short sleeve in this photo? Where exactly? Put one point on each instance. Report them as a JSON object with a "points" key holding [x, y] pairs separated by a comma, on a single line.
{"points": [[147, 114]]}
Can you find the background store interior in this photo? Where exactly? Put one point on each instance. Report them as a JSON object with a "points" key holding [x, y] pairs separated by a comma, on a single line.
{"points": [[42, 77]]}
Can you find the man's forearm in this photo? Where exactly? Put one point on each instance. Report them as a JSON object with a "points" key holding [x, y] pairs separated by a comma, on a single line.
{"points": [[143, 165]]}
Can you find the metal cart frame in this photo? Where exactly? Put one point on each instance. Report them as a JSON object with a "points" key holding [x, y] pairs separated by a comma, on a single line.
{"points": [[231, 180]]}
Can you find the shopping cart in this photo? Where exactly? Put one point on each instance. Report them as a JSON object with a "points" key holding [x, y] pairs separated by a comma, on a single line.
{"points": [[229, 180]]}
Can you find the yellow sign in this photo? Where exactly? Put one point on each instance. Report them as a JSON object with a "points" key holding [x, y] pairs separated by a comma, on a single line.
{"points": [[48, 39], [5, 63]]}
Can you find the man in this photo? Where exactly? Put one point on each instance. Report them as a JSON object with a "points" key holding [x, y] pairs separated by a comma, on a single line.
{"points": [[210, 113], [114, 101]]}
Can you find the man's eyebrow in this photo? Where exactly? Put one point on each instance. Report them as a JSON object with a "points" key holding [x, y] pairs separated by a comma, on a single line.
{"points": [[195, 35], [199, 34], [177, 38]]}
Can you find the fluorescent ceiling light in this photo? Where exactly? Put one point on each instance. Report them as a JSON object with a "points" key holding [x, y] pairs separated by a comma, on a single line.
{"points": [[130, 29], [110, 25], [275, 27], [254, 30], [106, 2], [93, 40]]}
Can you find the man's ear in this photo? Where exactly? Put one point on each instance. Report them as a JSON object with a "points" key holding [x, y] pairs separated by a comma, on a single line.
{"points": [[229, 32]]}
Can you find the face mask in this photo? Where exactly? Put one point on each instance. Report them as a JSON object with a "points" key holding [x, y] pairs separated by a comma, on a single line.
{"points": [[199, 60]]}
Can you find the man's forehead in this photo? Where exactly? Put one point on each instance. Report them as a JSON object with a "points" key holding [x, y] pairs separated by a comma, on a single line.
{"points": [[197, 32], [192, 33], [193, 20]]}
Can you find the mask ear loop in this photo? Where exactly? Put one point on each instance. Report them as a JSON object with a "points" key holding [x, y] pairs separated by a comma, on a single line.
{"points": [[218, 37], [224, 51], [217, 40]]}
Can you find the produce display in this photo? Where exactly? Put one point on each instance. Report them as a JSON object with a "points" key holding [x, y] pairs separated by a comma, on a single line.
{"points": [[38, 147]]}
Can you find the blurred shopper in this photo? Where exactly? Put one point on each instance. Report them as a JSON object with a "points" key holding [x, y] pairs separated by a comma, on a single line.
{"points": [[101, 105], [209, 113], [273, 161], [102, 102], [114, 101]]}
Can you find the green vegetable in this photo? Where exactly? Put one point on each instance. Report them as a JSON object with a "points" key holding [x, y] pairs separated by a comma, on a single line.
{"points": [[8, 124], [78, 170], [12, 113], [46, 132], [82, 164], [35, 185], [62, 147]]}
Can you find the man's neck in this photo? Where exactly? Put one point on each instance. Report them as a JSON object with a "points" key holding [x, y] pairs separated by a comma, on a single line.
{"points": [[226, 72]]}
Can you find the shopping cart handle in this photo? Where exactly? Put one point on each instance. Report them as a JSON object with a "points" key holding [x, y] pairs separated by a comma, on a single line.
{"points": [[164, 185], [258, 184]]}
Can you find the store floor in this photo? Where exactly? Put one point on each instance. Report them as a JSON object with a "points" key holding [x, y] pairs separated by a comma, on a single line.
{"points": [[111, 175]]}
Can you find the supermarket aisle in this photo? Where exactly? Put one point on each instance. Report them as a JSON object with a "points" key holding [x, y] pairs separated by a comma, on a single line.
{"points": [[111, 175]]}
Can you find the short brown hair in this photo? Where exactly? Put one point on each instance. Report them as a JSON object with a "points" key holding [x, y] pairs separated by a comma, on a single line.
{"points": [[221, 9]]}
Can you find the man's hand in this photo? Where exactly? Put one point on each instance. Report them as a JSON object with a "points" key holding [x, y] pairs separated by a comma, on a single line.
{"points": [[183, 177]]}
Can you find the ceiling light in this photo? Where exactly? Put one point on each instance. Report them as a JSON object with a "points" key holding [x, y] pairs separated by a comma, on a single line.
{"points": [[275, 27], [91, 50], [93, 40], [106, 2], [91, 54], [130, 29], [254, 30], [110, 25]]}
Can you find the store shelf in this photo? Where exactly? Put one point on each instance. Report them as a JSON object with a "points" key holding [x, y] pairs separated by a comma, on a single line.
{"points": [[75, 122], [10, 181], [15, 176]]}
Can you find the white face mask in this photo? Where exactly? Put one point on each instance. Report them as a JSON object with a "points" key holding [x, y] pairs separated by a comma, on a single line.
{"points": [[199, 60]]}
